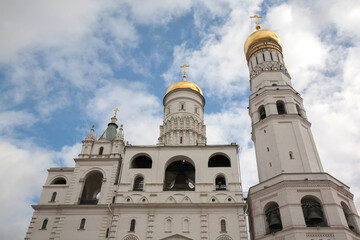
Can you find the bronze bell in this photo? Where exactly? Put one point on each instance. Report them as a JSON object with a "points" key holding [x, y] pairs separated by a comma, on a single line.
{"points": [[180, 182], [314, 215], [274, 221]]}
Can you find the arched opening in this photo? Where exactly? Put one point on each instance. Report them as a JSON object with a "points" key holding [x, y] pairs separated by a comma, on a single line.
{"points": [[223, 226], [313, 212], [219, 160], [53, 197], [92, 188], [59, 181], [44, 224], [262, 112], [180, 176], [186, 225], [291, 155], [280, 107], [348, 216], [298, 110], [168, 224], [101, 150], [141, 161], [138, 184], [82, 224], [220, 183], [273, 218], [132, 225]]}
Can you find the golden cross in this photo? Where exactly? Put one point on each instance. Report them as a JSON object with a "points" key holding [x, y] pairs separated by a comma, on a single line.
{"points": [[184, 66], [116, 110], [257, 22]]}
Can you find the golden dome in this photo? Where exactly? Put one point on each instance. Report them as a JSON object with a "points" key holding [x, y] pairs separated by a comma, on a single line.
{"points": [[184, 84], [259, 36]]}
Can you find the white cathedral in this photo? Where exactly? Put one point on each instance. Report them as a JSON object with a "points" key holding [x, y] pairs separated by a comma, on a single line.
{"points": [[181, 188]]}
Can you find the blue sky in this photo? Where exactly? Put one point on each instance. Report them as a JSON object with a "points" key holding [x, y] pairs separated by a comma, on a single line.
{"points": [[65, 65]]}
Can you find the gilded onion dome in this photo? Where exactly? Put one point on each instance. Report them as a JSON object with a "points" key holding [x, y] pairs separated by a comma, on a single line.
{"points": [[261, 40], [184, 85]]}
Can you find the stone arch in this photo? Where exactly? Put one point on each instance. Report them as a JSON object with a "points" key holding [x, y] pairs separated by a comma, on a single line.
{"points": [[179, 174], [130, 237], [92, 187], [280, 105], [141, 160], [59, 180], [313, 212], [128, 199], [143, 200], [224, 237], [229, 199], [272, 219], [220, 182], [219, 159], [170, 200], [214, 199], [139, 182], [349, 217], [186, 199]]}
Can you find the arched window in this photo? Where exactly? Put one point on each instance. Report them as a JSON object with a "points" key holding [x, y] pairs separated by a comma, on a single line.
{"points": [[107, 233], [262, 112], [101, 150], [348, 216], [291, 155], [220, 183], [313, 213], [53, 197], [142, 161], [138, 184], [168, 225], [298, 110], [59, 181], [280, 107], [180, 176], [181, 140], [132, 225], [273, 218], [113, 199], [92, 188], [186, 225], [82, 224], [223, 226], [219, 161], [44, 224]]}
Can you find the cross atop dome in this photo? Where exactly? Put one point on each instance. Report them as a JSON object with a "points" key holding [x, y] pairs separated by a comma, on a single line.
{"points": [[184, 66], [257, 22]]}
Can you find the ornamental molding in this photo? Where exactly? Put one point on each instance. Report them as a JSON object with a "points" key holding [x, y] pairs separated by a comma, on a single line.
{"points": [[320, 235], [298, 184], [268, 66]]}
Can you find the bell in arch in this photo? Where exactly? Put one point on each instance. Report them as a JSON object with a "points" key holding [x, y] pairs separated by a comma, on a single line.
{"points": [[314, 215], [181, 182], [274, 221]]}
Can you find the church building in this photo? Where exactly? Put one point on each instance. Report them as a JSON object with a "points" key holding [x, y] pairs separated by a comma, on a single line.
{"points": [[182, 188]]}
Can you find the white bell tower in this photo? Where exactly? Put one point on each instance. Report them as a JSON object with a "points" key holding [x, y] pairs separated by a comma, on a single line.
{"points": [[295, 198]]}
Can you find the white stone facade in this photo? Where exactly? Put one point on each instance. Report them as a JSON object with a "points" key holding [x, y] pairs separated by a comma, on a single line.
{"points": [[174, 190], [295, 198]]}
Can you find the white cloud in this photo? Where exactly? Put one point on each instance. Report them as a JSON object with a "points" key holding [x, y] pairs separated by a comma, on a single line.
{"points": [[140, 111], [22, 173], [11, 119]]}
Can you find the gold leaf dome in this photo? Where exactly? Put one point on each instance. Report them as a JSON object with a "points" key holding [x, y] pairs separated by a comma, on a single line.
{"points": [[260, 36], [184, 85]]}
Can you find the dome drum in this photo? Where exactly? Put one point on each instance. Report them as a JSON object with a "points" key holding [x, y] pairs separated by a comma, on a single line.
{"points": [[262, 46]]}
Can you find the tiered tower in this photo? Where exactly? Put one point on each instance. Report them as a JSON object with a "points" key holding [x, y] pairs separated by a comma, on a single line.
{"points": [[183, 115], [295, 198]]}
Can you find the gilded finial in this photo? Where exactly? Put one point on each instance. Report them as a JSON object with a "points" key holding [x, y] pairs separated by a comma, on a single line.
{"points": [[93, 126], [257, 22], [115, 110], [184, 66]]}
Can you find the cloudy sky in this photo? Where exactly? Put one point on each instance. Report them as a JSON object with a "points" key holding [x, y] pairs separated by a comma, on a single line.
{"points": [[65, 65]]}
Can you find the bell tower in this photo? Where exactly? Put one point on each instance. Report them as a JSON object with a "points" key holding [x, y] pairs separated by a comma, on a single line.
{"points": [[295, 198]]}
